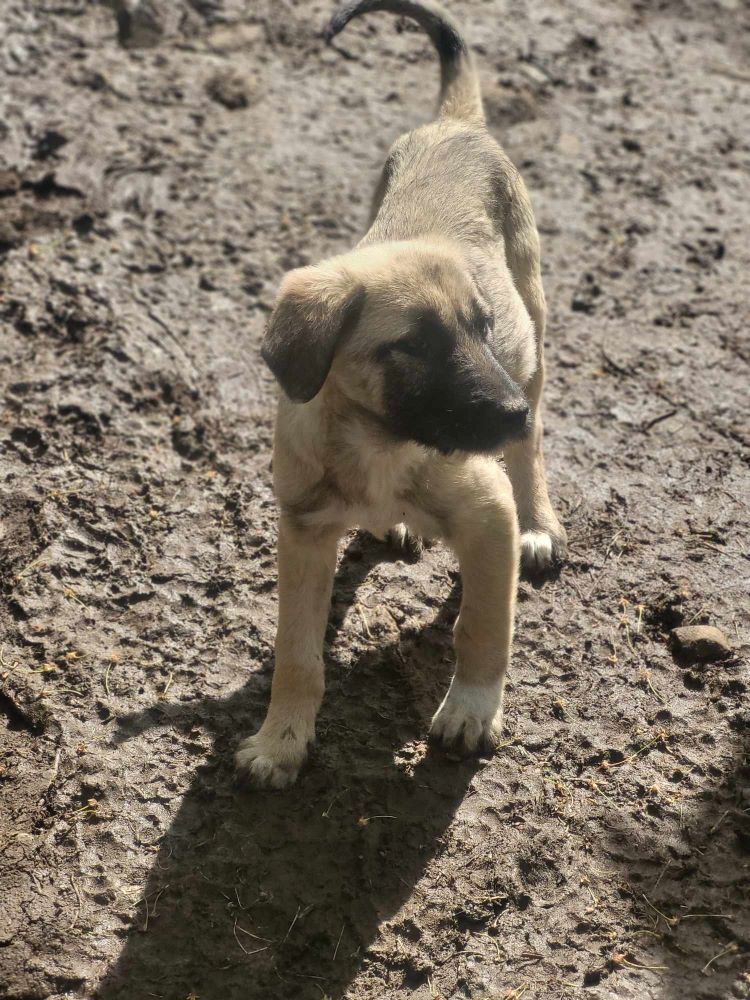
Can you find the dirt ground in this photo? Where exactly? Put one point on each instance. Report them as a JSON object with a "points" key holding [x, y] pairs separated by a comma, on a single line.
{"points": [[150, 201]]}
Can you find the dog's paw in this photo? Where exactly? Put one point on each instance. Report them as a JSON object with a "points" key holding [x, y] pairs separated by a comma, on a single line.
{"points": [[270, 760], [541, 551], [470, 717], [403, 541]]}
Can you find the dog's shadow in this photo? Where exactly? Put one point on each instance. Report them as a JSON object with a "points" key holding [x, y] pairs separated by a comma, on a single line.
{"points": [[264, 895]]}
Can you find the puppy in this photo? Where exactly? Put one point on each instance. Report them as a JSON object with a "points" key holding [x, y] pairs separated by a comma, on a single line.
{"points": [[408, 366]]}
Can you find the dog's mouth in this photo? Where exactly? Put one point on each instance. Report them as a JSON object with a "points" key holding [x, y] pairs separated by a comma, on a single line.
{"points": [[451, 437], [476, 438], [477, 428], [476, 424]]}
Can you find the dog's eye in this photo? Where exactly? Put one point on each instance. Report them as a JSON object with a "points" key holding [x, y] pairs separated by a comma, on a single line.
{"points": [[429, 339], [416, 345], [487, 326]]}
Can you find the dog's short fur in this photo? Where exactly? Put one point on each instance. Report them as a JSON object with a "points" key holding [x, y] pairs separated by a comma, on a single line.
{"points": [[408, 366]]}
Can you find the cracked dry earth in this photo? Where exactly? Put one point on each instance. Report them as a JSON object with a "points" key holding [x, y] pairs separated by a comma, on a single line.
{"points": [[150, 201]]}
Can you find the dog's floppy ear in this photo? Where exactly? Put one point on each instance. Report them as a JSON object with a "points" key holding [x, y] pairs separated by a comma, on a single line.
{"points": [[316, 308]]}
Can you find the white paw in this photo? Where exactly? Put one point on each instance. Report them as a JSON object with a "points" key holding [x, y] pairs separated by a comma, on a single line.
{"points": [[540, 551], [272, 760], [471, 716]]}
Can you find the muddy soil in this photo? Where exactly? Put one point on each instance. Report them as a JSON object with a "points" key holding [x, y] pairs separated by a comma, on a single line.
{"points": [[150, 201]]}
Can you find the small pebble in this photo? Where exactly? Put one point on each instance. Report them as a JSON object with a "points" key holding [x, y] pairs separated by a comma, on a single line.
{"points": [[700, 643], [233, 89]]}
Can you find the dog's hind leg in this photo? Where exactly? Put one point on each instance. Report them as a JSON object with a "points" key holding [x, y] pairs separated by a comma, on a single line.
{"points": [[543, 538], [307, 562], [405, 542]]}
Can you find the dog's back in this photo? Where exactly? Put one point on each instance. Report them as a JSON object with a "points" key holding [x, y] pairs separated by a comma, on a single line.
{"points": [[437, 180]]}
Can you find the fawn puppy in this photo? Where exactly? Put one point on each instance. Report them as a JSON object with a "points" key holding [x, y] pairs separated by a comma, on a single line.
{"points": [[408, 366]]}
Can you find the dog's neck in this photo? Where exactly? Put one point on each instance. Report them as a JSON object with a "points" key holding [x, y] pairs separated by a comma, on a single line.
{"points": [[344, 461]]}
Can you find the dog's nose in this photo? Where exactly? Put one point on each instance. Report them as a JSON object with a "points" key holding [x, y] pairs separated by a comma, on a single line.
{"points": [[516, 418], [507, 420]]}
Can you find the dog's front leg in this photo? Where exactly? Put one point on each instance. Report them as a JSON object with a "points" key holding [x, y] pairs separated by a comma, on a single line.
{"points": [[307, 561], [483, 531]]}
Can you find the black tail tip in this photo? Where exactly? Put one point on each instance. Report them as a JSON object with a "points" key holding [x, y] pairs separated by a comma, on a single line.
{"points": [[444, 34], [337, 23]]}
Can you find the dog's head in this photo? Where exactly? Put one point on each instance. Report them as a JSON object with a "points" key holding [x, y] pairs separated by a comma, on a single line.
{"points": [[404, 333]]}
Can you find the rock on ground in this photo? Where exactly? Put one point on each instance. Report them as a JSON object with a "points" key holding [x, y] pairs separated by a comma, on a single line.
{"points": [[701, 643]]}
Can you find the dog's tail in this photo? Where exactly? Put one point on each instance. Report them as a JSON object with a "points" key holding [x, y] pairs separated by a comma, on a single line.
{"points": [[460, 96]]}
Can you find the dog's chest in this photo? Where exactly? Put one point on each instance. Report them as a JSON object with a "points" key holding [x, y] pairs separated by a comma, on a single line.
{"points": [[375, 490], [381, 503], [375, 483]]}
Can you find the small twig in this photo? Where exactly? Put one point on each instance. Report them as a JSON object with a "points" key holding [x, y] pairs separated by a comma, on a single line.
{"points": [[168, 685], [646, 427], [255, 951], [611, 542], [294, 921], [255, 937], [710, 545], [606, 765], [594, 786], [151, 912], [364, 820], [729, 950], [31, 565], [640, 608], [645, 676], [670, 921], [530, 961], [80, 904], [336, 949], [361, 613], [70, 595], [338, 795], [693, 618], [663, 873], [719, 821], [91, 806], [507, 743], [637, 965]]}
